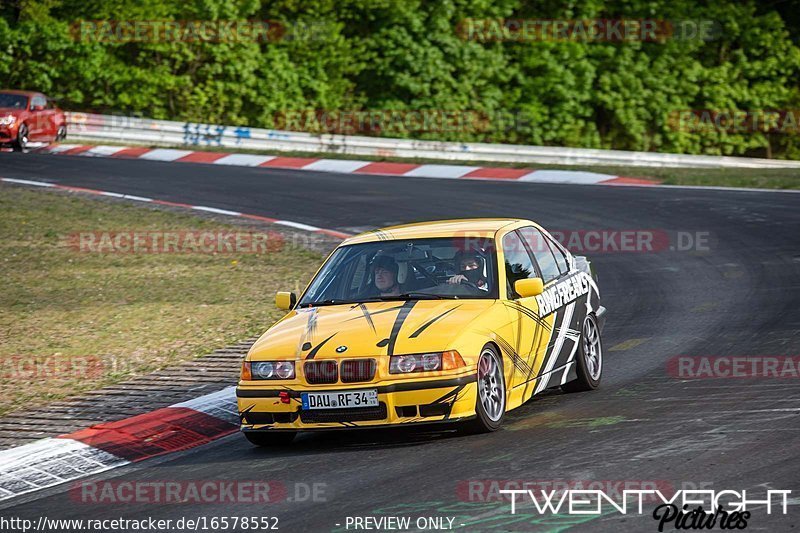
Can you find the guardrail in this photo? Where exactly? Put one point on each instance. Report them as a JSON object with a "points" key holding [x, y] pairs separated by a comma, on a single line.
{"points": [[131, 130]]}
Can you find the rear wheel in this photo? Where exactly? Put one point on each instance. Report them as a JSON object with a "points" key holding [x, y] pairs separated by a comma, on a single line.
{"points": [[589, 359], [22, 138], [269, 438], [490, 406]]}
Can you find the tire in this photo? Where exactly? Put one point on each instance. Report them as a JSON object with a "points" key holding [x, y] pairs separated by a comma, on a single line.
{"points": [[22, 138], [61, 134], [589, 360], [269, 438], [490, 404]]}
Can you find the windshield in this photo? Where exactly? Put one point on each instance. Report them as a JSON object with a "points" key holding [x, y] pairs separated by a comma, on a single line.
{"points": [[452, 268], [13, 101]]}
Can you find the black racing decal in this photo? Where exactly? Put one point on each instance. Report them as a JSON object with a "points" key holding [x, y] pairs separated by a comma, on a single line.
{"points": [[306, 346], [316, 349], [527, 312], [367, 316], [427, 324], [373, 313], [311, 324], [516, 359], [449, 399], [243, 414], [558, 323], [398, 323]]}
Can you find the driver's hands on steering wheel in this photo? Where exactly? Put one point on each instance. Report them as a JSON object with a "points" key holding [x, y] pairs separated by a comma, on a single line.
{"points": [[458, 278]]}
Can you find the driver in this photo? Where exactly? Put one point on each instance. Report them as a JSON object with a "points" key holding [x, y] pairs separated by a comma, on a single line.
{"points": [[470, 265], [384, 275]]}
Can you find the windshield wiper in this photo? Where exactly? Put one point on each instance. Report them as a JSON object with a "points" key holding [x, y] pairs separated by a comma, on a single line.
{"points": [[418, 296], [324, 302]]}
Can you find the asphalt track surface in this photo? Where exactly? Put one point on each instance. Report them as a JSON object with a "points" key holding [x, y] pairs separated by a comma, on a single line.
{"points": [[738, 298]]}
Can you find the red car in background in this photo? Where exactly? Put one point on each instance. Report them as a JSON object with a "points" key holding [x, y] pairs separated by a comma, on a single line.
{"points": [[29, 117]]}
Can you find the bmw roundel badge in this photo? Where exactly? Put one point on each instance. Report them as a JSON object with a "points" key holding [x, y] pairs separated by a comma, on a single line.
{"points": [[341, 349]]}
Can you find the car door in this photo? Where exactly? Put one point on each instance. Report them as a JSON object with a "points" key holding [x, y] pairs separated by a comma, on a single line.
{"points": [[38, 123], [51, 118], [531, 332], [560, 302]]}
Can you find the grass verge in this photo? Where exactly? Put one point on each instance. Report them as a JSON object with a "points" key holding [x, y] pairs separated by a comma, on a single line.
{"points": [[74, 320]]}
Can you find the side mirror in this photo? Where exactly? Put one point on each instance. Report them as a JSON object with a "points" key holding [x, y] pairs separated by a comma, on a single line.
{"points": [[285, 300], [529, 287]]}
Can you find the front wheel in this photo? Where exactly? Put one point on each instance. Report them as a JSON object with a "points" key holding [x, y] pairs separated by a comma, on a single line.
{"points": [[22, 138], [268, 438], [490, 406], [589, 359]]}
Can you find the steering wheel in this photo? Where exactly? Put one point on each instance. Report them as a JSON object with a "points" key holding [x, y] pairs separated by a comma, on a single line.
{"points": [[470, 284], [424, 272]]}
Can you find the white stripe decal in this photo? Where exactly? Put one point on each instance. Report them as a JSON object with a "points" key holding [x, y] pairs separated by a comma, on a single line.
{"points": [[164, 154], [562, 331], [243, 160], [215, 210], [336, 165], [440, 171]]}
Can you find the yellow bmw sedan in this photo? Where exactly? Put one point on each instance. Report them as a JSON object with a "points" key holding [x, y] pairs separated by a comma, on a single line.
{"points": [[446, 322]]}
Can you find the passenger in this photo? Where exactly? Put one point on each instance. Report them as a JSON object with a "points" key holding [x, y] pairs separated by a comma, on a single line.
{"points": [[384, 275]]}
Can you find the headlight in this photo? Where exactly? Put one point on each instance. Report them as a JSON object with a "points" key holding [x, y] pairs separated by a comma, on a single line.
{"points": [[255, 370], [425, 362], [10, 119]]}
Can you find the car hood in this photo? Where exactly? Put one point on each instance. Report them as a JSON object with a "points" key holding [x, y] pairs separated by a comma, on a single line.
{"points": [[11, 111], [368, 329]]}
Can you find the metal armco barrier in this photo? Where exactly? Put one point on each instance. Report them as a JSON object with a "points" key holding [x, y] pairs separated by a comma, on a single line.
{"points": [[126, 129]]}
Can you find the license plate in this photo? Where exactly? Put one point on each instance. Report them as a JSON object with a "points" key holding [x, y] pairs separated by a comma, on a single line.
{"points": [[339, 400]]}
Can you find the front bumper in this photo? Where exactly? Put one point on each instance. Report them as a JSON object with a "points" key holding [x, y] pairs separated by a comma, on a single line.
{"points": [[8, 133], [409, 401]]}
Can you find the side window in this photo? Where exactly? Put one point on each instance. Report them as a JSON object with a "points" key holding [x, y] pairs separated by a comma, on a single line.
{"points": [[542, 252], [37, 101], [561, 257], [518, 262]]}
